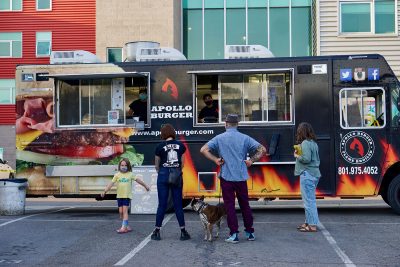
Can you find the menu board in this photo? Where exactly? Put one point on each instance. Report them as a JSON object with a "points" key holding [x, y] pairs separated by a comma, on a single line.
{"points": [[144, 202]]}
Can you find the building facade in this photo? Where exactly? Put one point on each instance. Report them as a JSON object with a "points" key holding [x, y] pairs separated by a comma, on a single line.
{"points": [[202, 28], [29, 30], [360, 27]]}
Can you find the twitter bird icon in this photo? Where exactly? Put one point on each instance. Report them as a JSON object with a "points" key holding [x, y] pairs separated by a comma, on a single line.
{"points": [[346, 75]]}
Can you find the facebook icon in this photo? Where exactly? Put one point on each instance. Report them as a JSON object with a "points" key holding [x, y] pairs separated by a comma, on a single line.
{"points": [[373, 74]]}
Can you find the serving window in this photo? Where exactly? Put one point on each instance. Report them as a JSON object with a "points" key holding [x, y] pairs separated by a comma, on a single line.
{"points": [[255, 97], [362, 108], [102, 101]]}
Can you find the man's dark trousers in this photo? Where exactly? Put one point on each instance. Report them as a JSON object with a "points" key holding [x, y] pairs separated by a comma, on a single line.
{"points": [[228, 194]]}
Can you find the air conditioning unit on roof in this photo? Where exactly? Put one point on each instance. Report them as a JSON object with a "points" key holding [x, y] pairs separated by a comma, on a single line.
{"points": [[74, 56], [151, 51], [247, 51]]}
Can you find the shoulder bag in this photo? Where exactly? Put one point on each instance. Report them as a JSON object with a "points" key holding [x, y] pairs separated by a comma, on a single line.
{"points": [[175, 176]]}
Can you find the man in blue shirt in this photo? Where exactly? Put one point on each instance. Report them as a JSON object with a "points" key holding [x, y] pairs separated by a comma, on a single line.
{"points": [[232, 148]]}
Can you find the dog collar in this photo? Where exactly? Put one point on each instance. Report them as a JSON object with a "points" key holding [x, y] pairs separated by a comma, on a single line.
{"points": [[201, 208]]}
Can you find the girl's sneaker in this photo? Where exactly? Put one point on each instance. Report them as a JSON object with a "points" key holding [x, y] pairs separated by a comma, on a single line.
{"points": [[122, 230], [233, 239]]}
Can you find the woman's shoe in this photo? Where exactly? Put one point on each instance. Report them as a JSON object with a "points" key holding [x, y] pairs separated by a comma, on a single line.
{"points": [[302, 226], [308, 228], [184, 235], [156, 235]]}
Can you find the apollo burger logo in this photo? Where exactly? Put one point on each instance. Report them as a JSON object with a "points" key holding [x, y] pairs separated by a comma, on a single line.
{"points": [[169, 89], [357, 147]]}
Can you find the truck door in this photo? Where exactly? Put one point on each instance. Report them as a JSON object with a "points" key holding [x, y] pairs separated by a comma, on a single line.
{"points": [[361, 139]]}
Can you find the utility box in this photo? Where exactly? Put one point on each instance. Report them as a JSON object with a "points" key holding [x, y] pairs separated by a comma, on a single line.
{"points": [[144, 202]]}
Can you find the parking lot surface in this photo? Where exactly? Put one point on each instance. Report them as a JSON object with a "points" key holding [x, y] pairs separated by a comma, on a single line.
{"points": [[78, 232]]}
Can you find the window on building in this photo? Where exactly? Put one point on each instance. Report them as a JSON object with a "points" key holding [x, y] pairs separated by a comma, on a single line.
{"points": [[283, 26], [10, 5], [99, 102], [256, 97], [43, 5], [213, 29], [236, 22], [43, 44], [114, 54], [257, 32], [10, 44], [7, 91], [371, 16], [362, 108]]}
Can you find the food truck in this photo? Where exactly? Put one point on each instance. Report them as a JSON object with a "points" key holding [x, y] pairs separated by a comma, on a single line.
{"points": [[74, 125]]}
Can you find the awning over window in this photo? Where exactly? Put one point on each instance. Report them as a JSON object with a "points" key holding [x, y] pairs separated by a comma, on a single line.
{"points": [[82, 76]]}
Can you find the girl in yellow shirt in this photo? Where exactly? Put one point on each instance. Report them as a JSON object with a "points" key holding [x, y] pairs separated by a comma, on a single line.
{"points": [[124, 178]]}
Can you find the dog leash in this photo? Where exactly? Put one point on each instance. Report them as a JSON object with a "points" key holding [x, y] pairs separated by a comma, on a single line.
{"points": [[219, 195]]}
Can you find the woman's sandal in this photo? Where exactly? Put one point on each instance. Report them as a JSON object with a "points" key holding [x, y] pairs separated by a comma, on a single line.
{"points": [[128, 229], [308, 229], [302, 226]]}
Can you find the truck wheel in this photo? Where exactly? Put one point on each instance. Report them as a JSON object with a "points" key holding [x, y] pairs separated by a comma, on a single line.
{"points": [[393, 194]]}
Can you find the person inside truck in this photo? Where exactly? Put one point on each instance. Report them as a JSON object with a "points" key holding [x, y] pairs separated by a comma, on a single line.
{"points": [[138, 108], [210, 112]]}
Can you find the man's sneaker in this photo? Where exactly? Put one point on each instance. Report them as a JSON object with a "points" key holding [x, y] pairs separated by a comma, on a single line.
{"points": [[156, 235], [250, 236], [233, 239], [184, 235]]}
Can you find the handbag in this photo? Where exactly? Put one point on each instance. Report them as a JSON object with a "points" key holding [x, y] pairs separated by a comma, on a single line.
{"points": [[175, 177]]}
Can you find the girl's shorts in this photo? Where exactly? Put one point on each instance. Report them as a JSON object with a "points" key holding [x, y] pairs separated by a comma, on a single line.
{"points": [[123, 202]]}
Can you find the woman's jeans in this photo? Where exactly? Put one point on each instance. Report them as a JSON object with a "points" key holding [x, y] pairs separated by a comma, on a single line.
{"points": [[308, 186], [163, 188]]}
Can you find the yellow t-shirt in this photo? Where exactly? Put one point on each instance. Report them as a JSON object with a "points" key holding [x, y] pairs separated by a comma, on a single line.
{"points": [[124, 184]]}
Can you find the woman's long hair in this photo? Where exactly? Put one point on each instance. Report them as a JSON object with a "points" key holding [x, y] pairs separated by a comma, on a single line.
{"points": [[167, 130], [305, 132]]}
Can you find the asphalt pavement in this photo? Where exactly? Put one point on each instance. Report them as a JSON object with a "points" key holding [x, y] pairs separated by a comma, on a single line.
{"points": [[81, 232]]}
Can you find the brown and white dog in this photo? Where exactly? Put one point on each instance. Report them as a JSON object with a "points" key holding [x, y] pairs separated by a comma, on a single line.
{"points": [[210, 215]]}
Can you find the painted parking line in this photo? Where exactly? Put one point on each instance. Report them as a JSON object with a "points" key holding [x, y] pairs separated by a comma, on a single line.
{"points": [[346, 260], [142, 244], [22, 218]]}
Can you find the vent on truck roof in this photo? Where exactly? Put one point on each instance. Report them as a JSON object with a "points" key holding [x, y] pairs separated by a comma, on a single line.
{"points": [[70, 57], [65, 54], [150, 51], [247, 51]]}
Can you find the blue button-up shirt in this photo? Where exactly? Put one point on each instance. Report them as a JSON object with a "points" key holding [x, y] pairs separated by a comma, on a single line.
{"points": [[233, 147]]}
